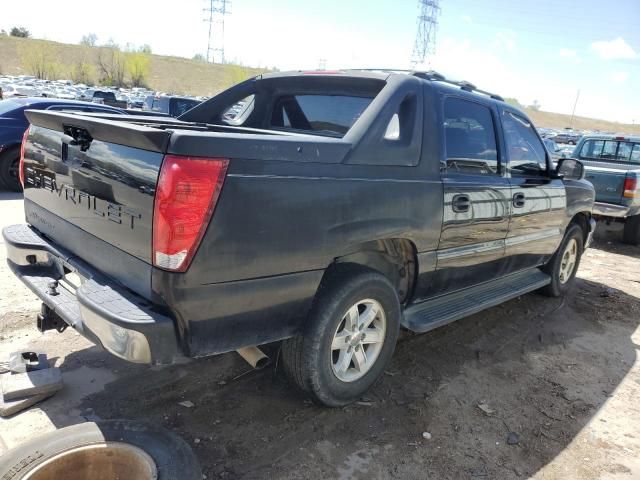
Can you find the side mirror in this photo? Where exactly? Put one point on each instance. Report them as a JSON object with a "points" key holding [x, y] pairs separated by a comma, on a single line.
{"points": [[570, 169]]}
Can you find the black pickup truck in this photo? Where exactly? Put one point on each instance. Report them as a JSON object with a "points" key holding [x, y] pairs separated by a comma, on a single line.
{"points": [[323, 209]]}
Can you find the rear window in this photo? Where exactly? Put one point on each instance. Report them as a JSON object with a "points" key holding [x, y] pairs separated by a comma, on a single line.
{"points": [[160, 104], [104, 95], [610, 151], [326, 114]]}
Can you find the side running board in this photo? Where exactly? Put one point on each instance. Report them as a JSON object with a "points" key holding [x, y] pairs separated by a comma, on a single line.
{"points": [[439, 311]]}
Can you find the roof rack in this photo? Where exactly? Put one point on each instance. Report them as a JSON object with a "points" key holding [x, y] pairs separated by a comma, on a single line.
{"points": [[463, 84], [434, 76]]}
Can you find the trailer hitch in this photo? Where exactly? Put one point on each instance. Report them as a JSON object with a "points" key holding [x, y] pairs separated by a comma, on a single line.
{"points": [[47, 319]]}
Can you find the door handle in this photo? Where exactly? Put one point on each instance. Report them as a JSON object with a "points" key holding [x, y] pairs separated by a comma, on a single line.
{"points": [[460, 203], [518, 200]]}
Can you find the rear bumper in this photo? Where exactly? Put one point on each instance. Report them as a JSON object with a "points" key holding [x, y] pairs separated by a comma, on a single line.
{"points": [[99, 308], [610, 210]]}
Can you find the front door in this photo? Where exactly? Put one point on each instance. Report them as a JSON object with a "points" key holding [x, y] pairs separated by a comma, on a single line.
{"points": [[476, 199], [538, 202]]}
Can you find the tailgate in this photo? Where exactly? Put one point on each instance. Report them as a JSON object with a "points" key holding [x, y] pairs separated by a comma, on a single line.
{"points": [[607, 182], [94, 174]]}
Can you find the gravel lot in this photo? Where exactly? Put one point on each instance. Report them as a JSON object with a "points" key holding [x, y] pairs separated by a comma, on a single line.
{"points": [[562, 375]]}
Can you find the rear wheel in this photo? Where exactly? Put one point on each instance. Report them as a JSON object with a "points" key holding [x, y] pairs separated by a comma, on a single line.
{"points": [[631, 234], [349, 338], [564, 264], [9, 170]]}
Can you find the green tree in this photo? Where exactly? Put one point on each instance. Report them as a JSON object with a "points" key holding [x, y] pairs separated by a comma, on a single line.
{"points": [[20, 32], [138, 66], [38, 60], [83, 72], [146, 48], [89, 40], [198, 57], [111, 66]]}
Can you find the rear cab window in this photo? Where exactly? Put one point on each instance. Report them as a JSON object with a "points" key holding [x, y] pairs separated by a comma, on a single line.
{"points": [[610, 151], [331, 115]]}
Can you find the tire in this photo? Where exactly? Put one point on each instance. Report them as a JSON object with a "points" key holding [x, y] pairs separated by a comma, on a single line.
{"points": [[9, 164], [348, 296], [561, 278], [173, 458], [631, 234]]}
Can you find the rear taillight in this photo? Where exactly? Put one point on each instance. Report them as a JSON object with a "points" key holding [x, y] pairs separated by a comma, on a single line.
{"points": [[631, 188], [22, 148], [187, 193]]}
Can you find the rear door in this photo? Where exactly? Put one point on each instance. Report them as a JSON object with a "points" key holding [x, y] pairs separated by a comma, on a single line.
{"points": [[538, 202], [476, 198]]}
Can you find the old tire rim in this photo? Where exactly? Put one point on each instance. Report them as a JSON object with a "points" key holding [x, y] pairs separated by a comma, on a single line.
{"points": [[100, 461], [568, 261], [358, 340]]}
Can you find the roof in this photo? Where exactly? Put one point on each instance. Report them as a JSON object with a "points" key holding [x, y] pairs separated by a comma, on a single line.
{"points": [[383, 74], [612, 136]]}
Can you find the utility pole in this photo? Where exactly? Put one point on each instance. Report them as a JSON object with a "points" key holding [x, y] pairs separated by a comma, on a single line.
{"points": [[573, 112], [215, 12], [425, 43]]}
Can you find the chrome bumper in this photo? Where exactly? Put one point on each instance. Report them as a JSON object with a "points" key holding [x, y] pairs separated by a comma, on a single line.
{"points": [[124, 323], [610, 210]]}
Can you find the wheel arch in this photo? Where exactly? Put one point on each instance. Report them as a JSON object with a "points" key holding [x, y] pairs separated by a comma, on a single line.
{"points": [[395, 258], [582, 220]]}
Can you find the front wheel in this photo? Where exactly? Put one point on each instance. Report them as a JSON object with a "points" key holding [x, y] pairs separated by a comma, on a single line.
{"points": [[563, 266], [349, 338]]}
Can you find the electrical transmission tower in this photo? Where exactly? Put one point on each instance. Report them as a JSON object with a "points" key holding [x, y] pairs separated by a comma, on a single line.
{"points": [[214, 15], [426, 36]]}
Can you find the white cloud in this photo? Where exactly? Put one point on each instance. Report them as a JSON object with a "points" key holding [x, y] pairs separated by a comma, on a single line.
{"points": [[614, 49], [466, 19], [619, 77], [492, 71]]}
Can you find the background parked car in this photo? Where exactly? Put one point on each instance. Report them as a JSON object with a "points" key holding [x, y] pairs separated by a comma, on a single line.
{"points": [[170, 105], [103, 97], [13, 124]]}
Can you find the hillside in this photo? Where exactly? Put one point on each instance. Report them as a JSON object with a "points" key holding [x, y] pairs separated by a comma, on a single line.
{"points": [[167, 74], [184, 76], [559, 120]]}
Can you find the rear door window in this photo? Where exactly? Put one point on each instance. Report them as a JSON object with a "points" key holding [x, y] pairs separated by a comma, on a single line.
{"points": [[324, 114], [470, 138]]}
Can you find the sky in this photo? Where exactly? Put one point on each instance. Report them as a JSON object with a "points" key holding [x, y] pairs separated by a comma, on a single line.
{"points": [[544, 50]]}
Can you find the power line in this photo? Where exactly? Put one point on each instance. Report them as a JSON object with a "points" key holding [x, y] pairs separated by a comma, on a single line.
{"points": [[425, 43], [214, 14]]}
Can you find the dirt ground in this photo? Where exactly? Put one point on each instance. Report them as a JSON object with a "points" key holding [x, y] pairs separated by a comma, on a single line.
{"points": [[563, 375]]}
